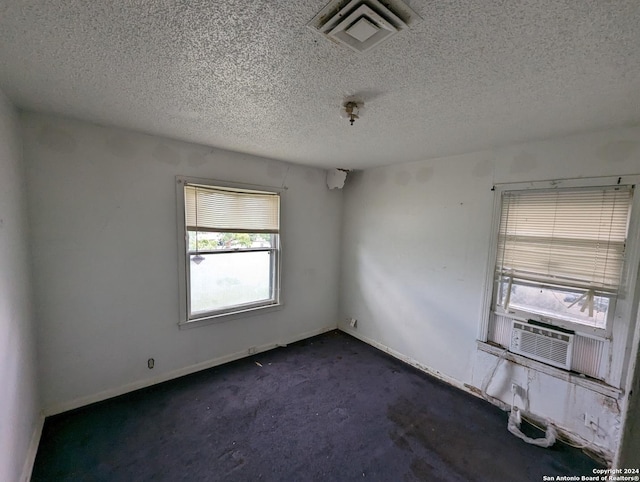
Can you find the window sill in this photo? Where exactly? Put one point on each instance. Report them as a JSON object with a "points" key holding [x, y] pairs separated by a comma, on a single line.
{"points": [[224, 317], [580, 380]]}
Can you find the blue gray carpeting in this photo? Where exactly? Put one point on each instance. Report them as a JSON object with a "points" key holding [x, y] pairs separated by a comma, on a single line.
{"points": [[328, 408]]}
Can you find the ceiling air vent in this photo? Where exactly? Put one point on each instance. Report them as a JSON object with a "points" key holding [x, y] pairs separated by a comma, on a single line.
{"points": [[362, 24]]}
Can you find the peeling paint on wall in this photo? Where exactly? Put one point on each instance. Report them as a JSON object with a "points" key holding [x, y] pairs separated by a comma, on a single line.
{"points": [[557, 401], [336, 178]]}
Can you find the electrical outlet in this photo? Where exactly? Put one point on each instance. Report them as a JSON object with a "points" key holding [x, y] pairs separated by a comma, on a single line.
{"points": [[251, 350], [150, 363], [591, 421], [353, 322]]}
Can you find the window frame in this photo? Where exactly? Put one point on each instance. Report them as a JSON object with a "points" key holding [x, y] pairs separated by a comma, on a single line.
{"points": [[580, 288], [624, 312], [186, 319], [514, 312]]}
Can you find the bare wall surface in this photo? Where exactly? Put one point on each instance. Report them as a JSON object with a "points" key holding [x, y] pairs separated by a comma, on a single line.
{"points": [[630, 444], [415, 248], [19, 402], [103, 219]]}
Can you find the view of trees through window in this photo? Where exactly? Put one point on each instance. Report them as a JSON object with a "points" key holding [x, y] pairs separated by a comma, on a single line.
{"points": [[570, 305], [206, 241]]}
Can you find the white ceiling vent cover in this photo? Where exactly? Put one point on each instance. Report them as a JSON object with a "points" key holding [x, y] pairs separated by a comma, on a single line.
{"points": [[362, 24]]}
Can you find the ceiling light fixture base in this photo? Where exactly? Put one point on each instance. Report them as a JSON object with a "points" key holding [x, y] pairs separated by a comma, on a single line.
{"points": [[352, 110]]}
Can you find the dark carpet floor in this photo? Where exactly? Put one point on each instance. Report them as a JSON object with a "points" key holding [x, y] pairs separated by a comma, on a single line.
{"points": [[328, 408]]}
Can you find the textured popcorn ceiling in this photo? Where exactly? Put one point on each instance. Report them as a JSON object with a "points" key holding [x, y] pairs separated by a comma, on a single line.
{"points": [[250, 76]]}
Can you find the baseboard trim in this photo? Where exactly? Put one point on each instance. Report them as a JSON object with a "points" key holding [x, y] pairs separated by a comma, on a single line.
{"points": [[409, 361], [27, 468], [130, 387]]}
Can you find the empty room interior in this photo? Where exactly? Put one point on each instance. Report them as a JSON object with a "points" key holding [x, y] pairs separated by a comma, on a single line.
{"points": [[192, 192]]}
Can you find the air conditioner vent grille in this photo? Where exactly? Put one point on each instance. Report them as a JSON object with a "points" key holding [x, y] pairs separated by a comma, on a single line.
{"points": [[542, 344], [544, 347]]}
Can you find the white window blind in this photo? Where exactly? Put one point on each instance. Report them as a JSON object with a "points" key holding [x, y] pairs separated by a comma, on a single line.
{"points": [[229, 210], [574, 238]]}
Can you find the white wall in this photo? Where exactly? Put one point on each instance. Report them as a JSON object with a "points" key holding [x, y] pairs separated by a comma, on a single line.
{"points": [[19, 401], [630, 443], [105, 257], [415, 247]]}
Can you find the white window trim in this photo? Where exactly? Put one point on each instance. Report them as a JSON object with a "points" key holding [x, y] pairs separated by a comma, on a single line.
{"points": [[620, 331], [183, 281]]}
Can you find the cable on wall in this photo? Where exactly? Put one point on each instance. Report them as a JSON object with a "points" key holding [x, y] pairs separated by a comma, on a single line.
{"points": [[515, 416]]}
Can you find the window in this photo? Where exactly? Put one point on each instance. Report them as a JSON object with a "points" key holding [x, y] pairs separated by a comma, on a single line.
{"points": [[561, 253], [230, 248], [564, 266]]}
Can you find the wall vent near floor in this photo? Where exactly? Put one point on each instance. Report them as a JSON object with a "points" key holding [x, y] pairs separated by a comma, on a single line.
{"points": [[362, 24], [542, 344]]}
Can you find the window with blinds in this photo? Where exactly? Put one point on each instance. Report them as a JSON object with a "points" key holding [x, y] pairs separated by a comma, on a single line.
{"points": [[222, 210], [561, 252], [232, 249]]}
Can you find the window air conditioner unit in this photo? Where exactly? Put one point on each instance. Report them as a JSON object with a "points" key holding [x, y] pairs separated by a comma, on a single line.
{"points": [[549, 346]]}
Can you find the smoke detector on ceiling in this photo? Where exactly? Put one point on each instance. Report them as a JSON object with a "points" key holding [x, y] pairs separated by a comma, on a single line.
{"points": [[362, 24]]}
